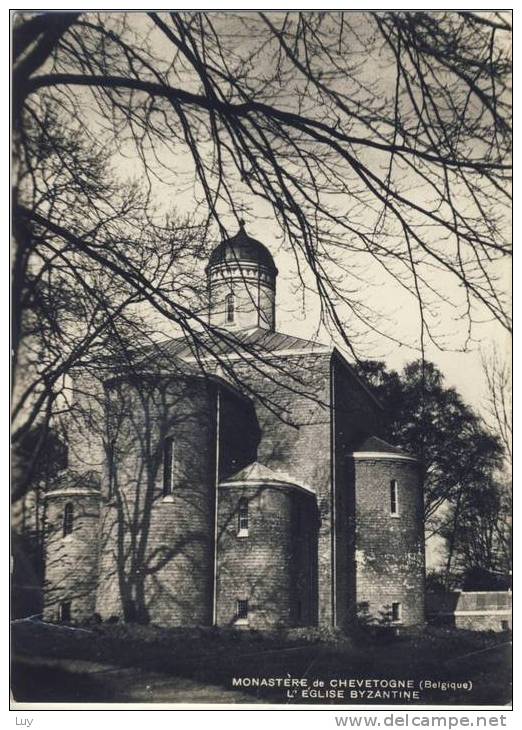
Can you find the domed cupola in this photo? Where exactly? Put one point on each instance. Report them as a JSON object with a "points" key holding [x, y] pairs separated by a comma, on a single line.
{"points": [[241, 276]]}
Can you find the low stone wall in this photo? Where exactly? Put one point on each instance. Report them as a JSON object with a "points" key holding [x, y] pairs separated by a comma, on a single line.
{"points": [[473, 610]]}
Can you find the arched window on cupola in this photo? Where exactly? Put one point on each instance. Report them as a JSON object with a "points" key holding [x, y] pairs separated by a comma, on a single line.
{"points": [[68, 519], [230, 306]]}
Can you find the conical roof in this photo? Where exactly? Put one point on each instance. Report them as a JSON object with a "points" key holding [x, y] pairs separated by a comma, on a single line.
{"points": [[258, 473], [376, 445], [242, 247]]}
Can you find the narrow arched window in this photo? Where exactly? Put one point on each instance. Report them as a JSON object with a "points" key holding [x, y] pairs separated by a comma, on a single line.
{"points": [[111, 468], [68, 519], [394, 498], [168, 466], [242, 521], [230, 307]]}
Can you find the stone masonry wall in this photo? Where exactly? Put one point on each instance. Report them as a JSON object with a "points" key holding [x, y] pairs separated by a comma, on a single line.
{"points": [[254, 297], [293, 410], [356, 415], [389, 549], [485, 622], [239, 434], [86, 432], [270, 566], [157, 550], [71, 562]]}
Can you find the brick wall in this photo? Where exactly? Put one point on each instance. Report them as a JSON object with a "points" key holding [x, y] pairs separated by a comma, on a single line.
{"points": [[254, 297], [356, 415], [86, 423], [157, 552], [71, 562], [389, 549], [239, 433], [156, 549], [270, 567], [292, 399]]}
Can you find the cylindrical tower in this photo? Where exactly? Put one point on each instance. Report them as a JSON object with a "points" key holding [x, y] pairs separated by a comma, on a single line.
{"points": [[156, 534], [241, 277], [267, 548], [389, 544], [71, 548]]}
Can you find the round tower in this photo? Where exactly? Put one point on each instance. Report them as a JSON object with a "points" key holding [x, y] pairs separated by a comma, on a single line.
{"points": [[72, 510], [156, 526], [389, 549], [241, 276], [267, 540]]}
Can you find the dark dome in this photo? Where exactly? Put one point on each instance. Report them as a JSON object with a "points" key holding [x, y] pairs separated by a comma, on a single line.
{"points": [[242, 248]]}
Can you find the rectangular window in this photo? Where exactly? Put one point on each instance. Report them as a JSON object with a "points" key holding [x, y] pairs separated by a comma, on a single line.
{"points": [[242, 520], [242, 608], [65, 611], [394, 502], [504, 625], [396, 612], [168, 466]]}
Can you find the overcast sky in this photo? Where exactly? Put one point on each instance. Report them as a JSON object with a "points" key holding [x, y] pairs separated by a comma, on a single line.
{"points": [[297, 309]]}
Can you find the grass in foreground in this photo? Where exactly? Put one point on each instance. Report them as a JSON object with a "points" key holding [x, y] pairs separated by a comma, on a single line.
{"points": [[125, 663]]}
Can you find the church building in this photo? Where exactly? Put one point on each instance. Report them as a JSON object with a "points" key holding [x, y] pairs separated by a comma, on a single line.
{"points": [[236, 479]]}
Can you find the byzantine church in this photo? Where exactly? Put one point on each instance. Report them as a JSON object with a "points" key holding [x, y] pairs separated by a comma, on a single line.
{"points": [[240, 483]]}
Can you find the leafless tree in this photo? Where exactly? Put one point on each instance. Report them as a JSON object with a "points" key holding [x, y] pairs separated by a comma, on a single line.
{"points": [[379, 142], [499, 404], [478, 528]]}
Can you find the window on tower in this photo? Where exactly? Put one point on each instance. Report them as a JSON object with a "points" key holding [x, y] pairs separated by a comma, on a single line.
{"points": [[168, 466], [65, 611], [242, 521], [230, 307], [394, 501], [242, 609], [396, 612], [111, 464], [68, 519]]}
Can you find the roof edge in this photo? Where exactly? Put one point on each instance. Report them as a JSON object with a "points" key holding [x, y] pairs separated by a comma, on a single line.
{"points": [[366, 387], [274, 483], [392, 456]]}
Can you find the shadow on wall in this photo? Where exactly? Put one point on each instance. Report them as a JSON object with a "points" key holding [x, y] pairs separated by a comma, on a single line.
{"points": [[154, 547], [26, 577], [267, 539], [71, 526]]}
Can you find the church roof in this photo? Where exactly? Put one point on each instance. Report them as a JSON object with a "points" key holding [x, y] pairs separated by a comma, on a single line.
{"points": [[72, 483], [376, 445], [188, 353], [255, 340], [259, 474], [242, 247]]}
